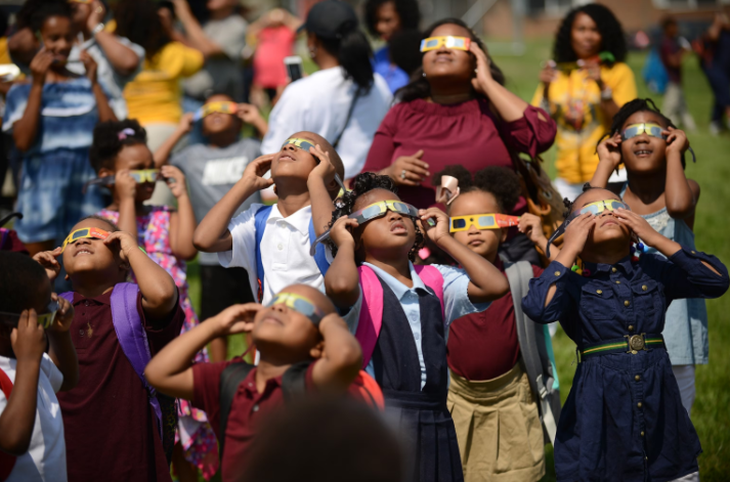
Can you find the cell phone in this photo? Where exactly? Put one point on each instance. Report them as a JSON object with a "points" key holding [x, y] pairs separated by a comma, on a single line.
{"points": [[294, 67]]}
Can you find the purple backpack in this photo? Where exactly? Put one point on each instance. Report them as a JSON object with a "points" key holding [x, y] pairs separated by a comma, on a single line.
{"points": [[133, 339]]}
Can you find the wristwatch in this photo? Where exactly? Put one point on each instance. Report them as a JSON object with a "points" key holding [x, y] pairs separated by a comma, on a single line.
{"points": [[606, 93], [99, 27]]}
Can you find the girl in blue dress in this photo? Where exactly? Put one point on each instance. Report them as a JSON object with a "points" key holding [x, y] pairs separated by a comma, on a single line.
{"points": [[623, 420]]}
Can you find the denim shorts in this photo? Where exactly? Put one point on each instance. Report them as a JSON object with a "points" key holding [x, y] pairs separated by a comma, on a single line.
{"points": [[50, 194]]}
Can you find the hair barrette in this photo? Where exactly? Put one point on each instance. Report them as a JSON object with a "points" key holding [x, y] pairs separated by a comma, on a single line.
{"points": [[124, 133], [448, 190]]}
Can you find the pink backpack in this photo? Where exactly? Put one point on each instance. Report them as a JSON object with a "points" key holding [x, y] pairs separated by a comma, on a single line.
{"points": [[371, 314]]}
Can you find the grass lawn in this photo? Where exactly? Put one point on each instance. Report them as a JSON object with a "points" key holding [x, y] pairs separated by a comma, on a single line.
{"points": [[711, 414]]}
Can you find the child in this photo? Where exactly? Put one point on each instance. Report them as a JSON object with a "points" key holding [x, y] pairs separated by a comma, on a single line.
{"points": [[273, 243], [212, 169], [623, 419], [51, 120], [119, 152], [658, 190], [492, 354], [112, 419], [405, 352], [32, 447], [302, 342]]}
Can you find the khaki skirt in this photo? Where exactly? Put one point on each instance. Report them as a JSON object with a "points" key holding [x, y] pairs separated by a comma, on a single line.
{"points": [[498, 428]]}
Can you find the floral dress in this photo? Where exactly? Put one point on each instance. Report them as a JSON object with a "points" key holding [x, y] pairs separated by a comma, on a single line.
{"points": [[194, 432]]}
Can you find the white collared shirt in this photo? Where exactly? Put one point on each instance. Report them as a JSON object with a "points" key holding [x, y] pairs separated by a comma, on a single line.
{"points": [[45, 460], [284, 250]]}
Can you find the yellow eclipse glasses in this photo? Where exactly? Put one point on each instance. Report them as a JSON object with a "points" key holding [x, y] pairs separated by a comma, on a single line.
{"points": [[433, 43], [300, 304], [94, 233], [651, 130], [297, 142], [482, 221], [598, 207], [223, 107], [45, 319]]}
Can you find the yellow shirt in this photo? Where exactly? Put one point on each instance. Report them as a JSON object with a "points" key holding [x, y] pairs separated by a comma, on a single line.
{"points": [[574, 102], [155, 95], [4, 54]]}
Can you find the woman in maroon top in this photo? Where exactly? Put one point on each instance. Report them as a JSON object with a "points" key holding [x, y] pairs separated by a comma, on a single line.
{"points": [[457, 112]]}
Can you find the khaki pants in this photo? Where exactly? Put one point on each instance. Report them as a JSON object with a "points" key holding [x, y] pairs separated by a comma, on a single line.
{"points": [[498, 428], [675, 107]]}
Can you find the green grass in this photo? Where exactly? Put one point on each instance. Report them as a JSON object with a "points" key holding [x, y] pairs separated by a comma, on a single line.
{"points": [[711, 413]]}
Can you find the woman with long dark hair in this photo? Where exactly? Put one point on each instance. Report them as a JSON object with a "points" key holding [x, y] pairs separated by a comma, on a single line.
{"points": [[456, 112], [582, 87], [344, 101]]}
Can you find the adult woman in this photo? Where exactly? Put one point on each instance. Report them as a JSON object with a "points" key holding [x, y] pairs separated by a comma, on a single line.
{"points": [[384, 18], [582, 88], [344, 101], [454, 115]]}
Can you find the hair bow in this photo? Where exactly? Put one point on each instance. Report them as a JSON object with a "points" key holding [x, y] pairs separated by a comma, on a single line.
{"points": [[124, 133]]}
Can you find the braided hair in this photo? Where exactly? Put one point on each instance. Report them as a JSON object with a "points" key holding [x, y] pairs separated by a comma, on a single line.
{"points": [[110, 138], [420, 88], [500, 182], [361, 184], [632, 107], [612, 34]]}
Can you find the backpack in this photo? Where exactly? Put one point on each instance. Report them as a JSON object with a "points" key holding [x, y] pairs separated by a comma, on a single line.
{"points": [[371, 313], [133, 340], [7, 461], [655, 73], [260, 218], [536, 349], [293, 383]]}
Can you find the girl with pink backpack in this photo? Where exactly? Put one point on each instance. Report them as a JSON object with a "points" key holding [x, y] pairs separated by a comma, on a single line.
{"points": [[402, 312]]}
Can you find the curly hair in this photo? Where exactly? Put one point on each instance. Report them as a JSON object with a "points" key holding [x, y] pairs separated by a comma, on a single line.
{"points": [[632, 107], [420, 87], [361, 184], [138, 21], [109, 141], [408, 11], [612, 34], [500, 182], [45, 10]]}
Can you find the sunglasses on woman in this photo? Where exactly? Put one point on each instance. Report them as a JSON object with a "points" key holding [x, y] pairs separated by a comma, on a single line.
{"points": [[93, 233], [300, 304], [434, 43], [482, 221], [222, 107], [45, 319]]}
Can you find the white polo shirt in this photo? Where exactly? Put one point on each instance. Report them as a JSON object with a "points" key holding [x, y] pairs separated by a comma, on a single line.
{"points": [[284, 250], [319, 103], [45, 460]]}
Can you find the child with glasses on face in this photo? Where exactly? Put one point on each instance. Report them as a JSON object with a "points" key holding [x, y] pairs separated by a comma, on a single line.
{"points": [[272, 243], [657, 188], [623, 419], [402, 312], [303, 344], [37, 359], [114, 422]]}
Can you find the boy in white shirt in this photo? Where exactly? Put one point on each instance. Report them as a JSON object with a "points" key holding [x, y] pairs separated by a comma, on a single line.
{"points": [[31, 427], [273, 243]]}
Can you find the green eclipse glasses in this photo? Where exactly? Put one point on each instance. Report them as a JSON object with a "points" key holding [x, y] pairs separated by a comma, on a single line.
{"points": [[299, 304], [140, 176], [45, 319], [300, 143]]}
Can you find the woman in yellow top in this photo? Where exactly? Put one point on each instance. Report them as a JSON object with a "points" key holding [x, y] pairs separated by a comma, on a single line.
{"points": [[582, 89], [154, 96]]}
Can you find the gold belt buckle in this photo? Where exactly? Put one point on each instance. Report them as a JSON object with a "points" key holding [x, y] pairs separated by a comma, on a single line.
{"points": [[636, 343]]}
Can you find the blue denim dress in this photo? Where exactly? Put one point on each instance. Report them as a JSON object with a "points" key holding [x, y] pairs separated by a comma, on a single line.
{"points": [[624, 420]]}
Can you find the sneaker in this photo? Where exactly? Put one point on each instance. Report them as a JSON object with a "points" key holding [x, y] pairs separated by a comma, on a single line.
{"points": [[715, 128]]}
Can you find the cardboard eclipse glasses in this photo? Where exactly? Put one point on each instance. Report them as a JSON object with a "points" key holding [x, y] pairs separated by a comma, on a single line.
{"points": [[482, 221], [651, 130], [456, 43], [222, 107], [93, 233], [299, 304], [45, 319]]}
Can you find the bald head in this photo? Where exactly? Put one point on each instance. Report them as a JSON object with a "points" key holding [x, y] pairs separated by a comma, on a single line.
{"points": [[327, 147]]}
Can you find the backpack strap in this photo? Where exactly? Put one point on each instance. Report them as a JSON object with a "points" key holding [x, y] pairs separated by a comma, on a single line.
{"points": [[294, 380], [260, 225], [371, 312], [231, 377], [320, 255], [7, 461], [535, 350]]}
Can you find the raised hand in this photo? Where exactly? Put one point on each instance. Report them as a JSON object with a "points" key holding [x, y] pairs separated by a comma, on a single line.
{"points": [[40, 65], [175, 180], [676, 140], [126, 243], [440, 230], [236, 319], [484, 74], [124, 185], [577, 232], [28, 339], [638, 225], [90, 65], [254, 172], [531, 226], [65, 315], [47, 259], [609, 151], [341, 232], [324, 169]]}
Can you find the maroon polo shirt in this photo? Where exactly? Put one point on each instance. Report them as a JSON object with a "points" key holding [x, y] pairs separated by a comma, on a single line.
{"points": [[483, 346], [111, 432], [248, 410]]}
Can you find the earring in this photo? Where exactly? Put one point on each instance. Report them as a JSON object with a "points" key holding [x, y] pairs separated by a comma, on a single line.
{"points": [[424, 75]]}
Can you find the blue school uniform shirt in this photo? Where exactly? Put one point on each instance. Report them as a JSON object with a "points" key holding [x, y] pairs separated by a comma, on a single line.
{"points": [[68, 115], [456, 304], [624, 419], [394, 76]]}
